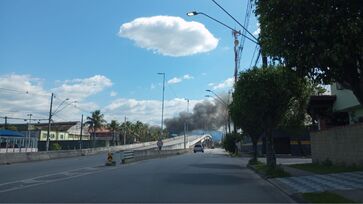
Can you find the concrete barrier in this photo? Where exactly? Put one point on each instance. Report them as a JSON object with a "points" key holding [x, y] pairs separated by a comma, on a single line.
{"points": [[173, 146], [149, 154]]}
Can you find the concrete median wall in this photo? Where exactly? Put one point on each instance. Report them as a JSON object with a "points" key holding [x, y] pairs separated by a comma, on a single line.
{"points": [[149, 154], [39, 156], [173, 146]]}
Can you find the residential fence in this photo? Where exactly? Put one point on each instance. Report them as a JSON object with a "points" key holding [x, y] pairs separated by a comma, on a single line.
{"points": [[341, 145]]}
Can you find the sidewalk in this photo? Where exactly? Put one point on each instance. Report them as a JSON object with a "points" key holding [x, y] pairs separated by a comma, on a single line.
{"points": [[349, 184]]}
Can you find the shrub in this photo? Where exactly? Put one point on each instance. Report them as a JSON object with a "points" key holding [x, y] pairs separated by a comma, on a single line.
{"points": [[56, 146], [229, 142]]}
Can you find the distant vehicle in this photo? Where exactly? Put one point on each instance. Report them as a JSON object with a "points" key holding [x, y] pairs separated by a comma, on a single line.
{"points": [[198, 148]]}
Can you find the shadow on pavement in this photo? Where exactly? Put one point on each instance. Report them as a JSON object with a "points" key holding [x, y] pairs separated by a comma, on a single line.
{"points": [[196, 179], [217, 166]]}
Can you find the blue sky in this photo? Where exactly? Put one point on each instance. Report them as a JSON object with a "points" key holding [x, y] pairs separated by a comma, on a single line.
{"points": [[74, 48]]}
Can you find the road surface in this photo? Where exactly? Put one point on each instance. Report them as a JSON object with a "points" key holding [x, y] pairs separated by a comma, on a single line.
{"points": [[203, 177]]}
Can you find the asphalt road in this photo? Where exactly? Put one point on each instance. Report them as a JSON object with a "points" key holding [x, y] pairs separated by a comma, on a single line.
{"points": [[203, 177]]}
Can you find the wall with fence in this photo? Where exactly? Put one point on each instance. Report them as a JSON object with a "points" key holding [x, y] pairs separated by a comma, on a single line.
{"points": [[341, 145]]}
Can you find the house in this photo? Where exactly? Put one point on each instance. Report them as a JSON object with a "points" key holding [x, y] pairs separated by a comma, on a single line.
{"points": [[338, 109], [337, 130], [60, 131]]}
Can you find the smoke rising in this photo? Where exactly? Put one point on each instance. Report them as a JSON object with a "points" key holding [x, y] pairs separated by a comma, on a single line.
{"points": [[205, 116]]}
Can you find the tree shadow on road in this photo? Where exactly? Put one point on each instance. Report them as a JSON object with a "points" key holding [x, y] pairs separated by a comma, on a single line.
{"points": [[217, 166], [205, 179]]}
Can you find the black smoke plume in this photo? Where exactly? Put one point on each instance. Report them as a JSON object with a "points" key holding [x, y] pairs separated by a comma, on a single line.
{"points": [[205, 116]]}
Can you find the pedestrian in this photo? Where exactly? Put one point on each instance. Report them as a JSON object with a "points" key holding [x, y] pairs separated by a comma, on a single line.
{"points": [[159, 144]]}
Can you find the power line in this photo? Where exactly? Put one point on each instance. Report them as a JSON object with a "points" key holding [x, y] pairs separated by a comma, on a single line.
{"points": [[172, 90], [243, 39], [17, 118], [26, 92], [253, 56]]}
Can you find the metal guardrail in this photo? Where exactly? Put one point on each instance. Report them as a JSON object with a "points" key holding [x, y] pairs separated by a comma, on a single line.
{"points": [[125, 155]]}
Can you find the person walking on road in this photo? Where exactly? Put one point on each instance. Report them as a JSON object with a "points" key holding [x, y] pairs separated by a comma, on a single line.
{"points": [[159, 144]]}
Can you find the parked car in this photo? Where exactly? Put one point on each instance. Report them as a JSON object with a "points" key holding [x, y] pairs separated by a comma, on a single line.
{"points": [[198, 148]]}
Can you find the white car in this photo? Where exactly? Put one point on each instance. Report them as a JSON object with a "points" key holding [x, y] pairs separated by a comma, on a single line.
{"points": [[198, 148]]}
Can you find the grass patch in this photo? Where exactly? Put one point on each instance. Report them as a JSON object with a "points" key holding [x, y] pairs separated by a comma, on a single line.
{"points": [[262, 168], [325, 169], [325, 197]]}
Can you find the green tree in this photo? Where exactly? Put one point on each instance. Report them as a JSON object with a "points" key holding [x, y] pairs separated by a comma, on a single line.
{"points": [[320, 39], [95, 122], [114, 126], [261, 100], [229, 142]]}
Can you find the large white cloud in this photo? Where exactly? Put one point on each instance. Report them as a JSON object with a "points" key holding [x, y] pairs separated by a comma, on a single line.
{"points": [[24, 94], [21, 95], [228, 83], [177, 80], [169, 35], [79, 89], [148, 111]]}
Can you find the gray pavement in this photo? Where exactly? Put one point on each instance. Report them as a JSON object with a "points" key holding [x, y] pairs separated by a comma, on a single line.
{"points": [[320, 183], [209, 177]]}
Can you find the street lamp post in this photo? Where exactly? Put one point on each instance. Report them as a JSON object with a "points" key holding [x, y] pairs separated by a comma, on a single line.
{"points": [[162, 104], [226, 104], [186, 124], [235, 34]]}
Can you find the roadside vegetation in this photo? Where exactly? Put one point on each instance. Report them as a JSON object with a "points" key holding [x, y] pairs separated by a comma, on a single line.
{"points": [[266, 171], [294, 65], [134, 131]]}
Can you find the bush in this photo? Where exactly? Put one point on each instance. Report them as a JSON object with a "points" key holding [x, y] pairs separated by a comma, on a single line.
{"points": [[229, 142], [56, 146]]}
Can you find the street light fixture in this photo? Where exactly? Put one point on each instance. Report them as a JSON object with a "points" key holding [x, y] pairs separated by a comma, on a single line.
{"points": [[186, 124], [219, 99], [194, 13], [235, 34], [210, 91], [162, 105]]}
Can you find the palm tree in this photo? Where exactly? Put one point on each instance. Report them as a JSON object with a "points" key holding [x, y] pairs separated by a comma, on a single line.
{"points": [[95, 122], [113, 126]]}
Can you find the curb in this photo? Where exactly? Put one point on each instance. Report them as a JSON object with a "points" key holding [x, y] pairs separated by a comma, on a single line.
{"points": [[295, 197]]}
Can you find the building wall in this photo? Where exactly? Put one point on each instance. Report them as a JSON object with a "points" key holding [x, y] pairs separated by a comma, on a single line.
{"points": [[60, 136], [345, 98], [341, 145], [347, 102]]}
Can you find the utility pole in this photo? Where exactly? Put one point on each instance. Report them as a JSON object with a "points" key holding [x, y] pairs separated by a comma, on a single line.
{"points": [[235, 34], [80, 137], [6, 122], [29, 123], [49, 121], [125, 132]]}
